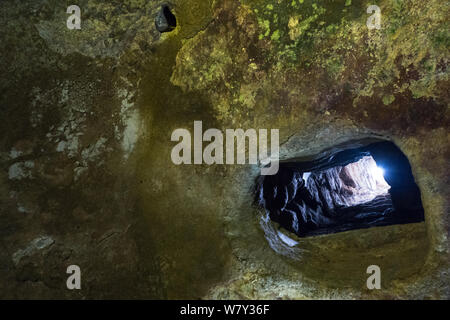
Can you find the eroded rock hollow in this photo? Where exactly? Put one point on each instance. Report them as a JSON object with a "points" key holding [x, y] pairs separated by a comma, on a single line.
{"points": [[344, 191]]}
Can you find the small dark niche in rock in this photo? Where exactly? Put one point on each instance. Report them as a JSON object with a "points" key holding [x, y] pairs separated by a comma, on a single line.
{"points": [[350, 189], [165, 20]]}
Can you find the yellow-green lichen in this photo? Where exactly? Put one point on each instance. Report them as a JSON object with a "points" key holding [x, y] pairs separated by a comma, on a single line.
{"points": [[388, 99]]}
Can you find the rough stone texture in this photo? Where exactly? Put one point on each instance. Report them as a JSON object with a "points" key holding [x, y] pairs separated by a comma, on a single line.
{"points": [[330, 200], [85, 145]]}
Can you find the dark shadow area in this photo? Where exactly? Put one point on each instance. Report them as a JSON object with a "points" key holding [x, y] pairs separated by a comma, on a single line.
{"points": [[165, 20], [350, 189]]}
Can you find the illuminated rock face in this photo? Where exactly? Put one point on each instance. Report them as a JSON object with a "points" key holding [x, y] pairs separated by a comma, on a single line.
{"points": [[363, 181], [356, 183], [85, 146]]}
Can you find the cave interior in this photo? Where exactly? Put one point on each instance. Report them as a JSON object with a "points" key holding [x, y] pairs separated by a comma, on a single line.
{"points": [[354, 188]]}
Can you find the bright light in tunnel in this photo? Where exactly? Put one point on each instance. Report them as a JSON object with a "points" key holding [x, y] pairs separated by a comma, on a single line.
{"points": [[378, 173]]}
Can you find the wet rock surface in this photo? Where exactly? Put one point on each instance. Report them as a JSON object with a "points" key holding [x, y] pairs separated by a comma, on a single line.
{"points": [[85, 146]]}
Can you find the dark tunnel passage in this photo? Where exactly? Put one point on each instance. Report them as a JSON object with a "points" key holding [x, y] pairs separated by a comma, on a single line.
{"points": [[351, 189], [165, 20]]}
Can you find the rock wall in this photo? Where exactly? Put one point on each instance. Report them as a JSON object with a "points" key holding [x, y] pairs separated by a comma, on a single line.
{"points": [[85, 145]]}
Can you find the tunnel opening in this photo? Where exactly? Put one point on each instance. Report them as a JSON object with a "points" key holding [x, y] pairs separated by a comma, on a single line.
{"points": [[165, 20], [350, 189]]}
